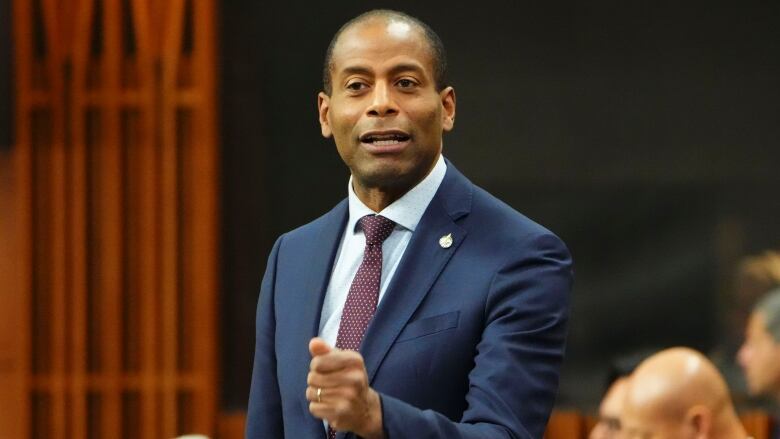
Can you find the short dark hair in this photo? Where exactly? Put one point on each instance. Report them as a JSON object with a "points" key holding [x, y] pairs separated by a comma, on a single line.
{"points": [[434, 42]]}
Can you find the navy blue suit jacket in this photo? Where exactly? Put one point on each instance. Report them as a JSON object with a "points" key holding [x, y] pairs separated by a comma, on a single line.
{"points": [[466, 343]]}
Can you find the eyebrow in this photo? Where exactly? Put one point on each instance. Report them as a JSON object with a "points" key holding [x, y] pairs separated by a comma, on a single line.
{"points": [[363, 70]]}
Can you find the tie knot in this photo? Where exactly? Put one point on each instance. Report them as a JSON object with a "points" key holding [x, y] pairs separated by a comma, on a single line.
{"points": [[376, 228]]}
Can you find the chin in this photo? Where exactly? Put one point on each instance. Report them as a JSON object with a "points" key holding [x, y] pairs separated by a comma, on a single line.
{"points": [[384, 178], [382, 173]]}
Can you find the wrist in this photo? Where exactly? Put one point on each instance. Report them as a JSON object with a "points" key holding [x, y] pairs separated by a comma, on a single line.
{"points": [[374, 425]]}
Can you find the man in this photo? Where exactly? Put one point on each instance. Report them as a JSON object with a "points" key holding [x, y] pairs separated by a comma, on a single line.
{"points": [[678, 393], [755, 275], [759, 355], [420, 306], [608, 426]]}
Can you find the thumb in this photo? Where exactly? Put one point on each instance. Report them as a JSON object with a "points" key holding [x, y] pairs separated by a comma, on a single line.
{"points": [[318, 346]]}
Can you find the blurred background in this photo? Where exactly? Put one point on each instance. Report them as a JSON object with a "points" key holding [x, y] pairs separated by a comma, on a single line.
{"points": [[152, 151]]}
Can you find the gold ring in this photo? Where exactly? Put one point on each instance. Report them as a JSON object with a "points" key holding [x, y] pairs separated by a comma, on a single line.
{"points": [[319, 394]]}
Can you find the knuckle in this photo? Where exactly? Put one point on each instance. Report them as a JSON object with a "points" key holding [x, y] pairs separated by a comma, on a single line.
{"points": [[341, 410], [357, 360], [356, 379]]}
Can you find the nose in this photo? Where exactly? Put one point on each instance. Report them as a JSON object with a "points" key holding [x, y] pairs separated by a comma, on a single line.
{"points": [[743, 356], [382, 104]]}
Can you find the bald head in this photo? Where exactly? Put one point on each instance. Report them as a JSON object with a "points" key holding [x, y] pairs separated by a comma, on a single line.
{"points": [[396, 22], [679, 393]]}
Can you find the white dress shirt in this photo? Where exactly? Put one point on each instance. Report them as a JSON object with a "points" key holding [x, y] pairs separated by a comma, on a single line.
{"points": [[406, 213]]}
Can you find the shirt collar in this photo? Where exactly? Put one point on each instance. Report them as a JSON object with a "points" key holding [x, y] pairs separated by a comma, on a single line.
{"points": [[405, 211]]}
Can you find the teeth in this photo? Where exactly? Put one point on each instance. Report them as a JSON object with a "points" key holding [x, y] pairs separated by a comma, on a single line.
{"points": [[385, 142], [388, 139]]}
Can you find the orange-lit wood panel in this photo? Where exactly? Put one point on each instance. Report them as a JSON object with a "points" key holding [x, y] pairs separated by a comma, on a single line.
{"points": [[115, 258], [757, 424], [232, 425], [565, 425], [12, 346]]}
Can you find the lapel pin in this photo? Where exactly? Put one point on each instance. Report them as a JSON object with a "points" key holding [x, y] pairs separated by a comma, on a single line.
{"points": [[446, 241]]}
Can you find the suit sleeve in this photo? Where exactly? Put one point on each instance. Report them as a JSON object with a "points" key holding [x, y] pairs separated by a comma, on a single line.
{"points": [[513, 384], [264, 415]]}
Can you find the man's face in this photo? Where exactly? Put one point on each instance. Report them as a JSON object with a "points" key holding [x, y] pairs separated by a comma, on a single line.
{"points": [[384, 111], [759, 357], [610, 409], [638, 424], [633, 430]]}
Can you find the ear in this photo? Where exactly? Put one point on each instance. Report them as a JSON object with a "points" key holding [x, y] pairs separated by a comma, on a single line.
{"points": [[323, 106], [699, 420], [448, 105]]}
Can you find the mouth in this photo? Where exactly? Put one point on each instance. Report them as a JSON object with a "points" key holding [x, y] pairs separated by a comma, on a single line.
{"points": [[385, 140]]}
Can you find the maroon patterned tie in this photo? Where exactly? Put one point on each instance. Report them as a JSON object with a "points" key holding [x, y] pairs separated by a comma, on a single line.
{"points": [[364, 292]]}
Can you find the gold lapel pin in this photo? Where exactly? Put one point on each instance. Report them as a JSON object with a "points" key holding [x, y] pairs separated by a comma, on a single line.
{"points": [[446, 241]]}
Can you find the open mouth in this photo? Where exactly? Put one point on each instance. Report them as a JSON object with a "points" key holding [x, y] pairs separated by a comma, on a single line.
{"points": [[388, 138]]}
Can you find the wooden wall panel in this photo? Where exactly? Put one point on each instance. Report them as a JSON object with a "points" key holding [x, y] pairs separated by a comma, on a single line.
{"points": [[116, 169], [758, 425], [12, 346], [232, 425], [566, 425]]}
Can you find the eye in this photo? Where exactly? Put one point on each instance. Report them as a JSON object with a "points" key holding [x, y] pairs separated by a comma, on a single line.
{"points": [[356, 86], [406, 83]]}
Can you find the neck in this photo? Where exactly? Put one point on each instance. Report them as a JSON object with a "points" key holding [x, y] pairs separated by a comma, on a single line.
{"points": [[377, 199]]}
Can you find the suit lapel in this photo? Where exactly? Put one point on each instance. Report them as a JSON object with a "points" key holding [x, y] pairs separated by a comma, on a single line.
{"points": [[317, 268], [423, 261]]}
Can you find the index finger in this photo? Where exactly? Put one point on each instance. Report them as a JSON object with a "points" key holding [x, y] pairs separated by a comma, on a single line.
{"points": [[336, 360]]}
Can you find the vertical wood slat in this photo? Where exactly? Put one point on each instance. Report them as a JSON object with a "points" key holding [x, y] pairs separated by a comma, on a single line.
{"points": [[111, 239], [171, 43], [204, 244], [57, 251], [12, 407], [147, 218], [22, 162], [78, 219]]}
